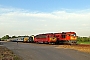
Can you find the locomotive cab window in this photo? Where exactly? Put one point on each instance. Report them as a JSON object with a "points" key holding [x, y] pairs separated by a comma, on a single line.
{"points": [[63, 36], [73, 34], [68, 34]]}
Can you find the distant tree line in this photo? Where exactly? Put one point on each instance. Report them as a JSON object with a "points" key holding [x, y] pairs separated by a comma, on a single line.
{"points": [[8, 37], [83, 39], [0, 39]]}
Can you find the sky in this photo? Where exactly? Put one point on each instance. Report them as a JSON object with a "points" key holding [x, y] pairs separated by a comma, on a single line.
{"points": [[31, 17]]}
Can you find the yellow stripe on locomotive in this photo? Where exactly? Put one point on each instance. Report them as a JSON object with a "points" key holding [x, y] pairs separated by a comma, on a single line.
{"points": [[53, 39]]}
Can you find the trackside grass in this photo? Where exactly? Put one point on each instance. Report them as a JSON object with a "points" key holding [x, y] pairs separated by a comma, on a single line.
{"points": [[83, 42], [6, 54]]}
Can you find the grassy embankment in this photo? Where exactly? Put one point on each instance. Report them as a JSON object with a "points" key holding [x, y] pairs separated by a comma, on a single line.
{"points": [[83, 42], [6, 54]]}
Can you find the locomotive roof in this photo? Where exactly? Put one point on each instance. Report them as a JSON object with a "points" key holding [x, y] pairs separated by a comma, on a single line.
{"points": [[68, 32], [56, 33], [46, 34]]}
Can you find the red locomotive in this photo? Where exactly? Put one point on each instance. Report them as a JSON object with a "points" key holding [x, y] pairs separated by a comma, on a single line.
{"points": [[63, 37], [45, 38], [66, 37]]}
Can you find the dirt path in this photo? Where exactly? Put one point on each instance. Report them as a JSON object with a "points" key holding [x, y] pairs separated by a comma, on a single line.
{"points": [[82, 48]]}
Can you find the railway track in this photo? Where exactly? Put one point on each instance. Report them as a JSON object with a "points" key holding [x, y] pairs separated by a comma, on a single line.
{"points": [[84, 45]]}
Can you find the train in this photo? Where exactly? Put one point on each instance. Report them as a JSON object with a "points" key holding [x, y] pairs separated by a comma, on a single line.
{"points": [[56, 38], [66, 37]]}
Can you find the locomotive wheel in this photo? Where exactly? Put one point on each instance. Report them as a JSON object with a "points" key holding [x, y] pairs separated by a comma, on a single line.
{"points": [[51, 43], [37, 42]]}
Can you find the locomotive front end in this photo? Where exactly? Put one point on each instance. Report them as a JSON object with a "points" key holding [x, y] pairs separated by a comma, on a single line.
{"points": [[73, 39]]}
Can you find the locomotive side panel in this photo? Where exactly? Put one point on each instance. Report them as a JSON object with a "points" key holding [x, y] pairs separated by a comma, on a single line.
{"points": [[26, 39], [45, 38], [40, 38]]}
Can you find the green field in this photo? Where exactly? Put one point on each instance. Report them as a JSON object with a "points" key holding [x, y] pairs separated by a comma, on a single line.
{"points": [[83, 42]]}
